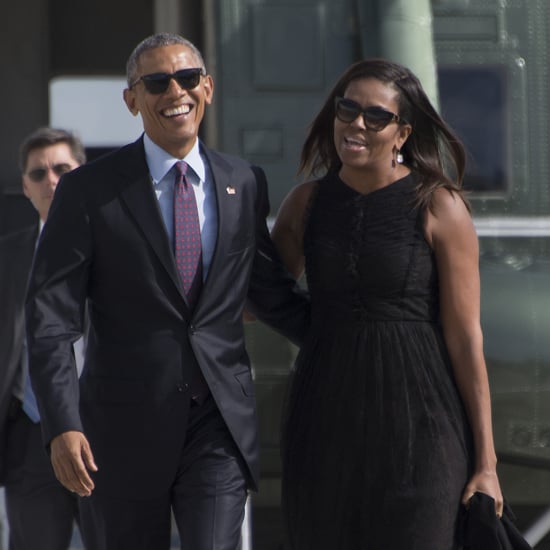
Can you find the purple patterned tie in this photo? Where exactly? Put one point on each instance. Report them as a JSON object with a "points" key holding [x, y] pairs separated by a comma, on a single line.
{"points": [[188, 254], [187, 235]]}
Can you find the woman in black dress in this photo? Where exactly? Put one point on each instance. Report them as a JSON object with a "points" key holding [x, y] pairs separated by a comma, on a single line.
{"points": [[388, 425]]}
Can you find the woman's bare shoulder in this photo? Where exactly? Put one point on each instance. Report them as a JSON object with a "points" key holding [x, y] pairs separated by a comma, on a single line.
{"points": [[298, 199], [448, 203], [447, 218], [301, 193]]}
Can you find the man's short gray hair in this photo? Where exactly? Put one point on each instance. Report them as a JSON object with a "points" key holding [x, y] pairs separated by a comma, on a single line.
{"points": [[158, 40]]}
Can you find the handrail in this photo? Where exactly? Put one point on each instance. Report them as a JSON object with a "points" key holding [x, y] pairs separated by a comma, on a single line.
{"points": [[528, 461]]}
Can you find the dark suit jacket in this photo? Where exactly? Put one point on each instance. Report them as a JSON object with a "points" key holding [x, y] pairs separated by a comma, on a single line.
{"points": [[16, 252], [105, 240]]}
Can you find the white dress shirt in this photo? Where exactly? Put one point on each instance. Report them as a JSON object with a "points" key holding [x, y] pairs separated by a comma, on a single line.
{"points": [[163, 175]]}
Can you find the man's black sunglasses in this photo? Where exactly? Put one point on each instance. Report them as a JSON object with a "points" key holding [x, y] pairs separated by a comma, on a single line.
{"points": [[38, 174], [375, 118], [157, 83]]}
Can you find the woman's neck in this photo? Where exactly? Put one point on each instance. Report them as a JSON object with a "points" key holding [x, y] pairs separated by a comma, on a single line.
{"points": [[365, 181]]}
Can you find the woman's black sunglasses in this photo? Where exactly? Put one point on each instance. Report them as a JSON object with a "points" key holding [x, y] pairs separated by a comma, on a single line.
{"points": [[375, 118], [157, 83]]}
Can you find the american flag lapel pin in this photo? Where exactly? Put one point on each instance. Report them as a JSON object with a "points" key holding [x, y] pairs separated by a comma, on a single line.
{"points": [[230, 190]]}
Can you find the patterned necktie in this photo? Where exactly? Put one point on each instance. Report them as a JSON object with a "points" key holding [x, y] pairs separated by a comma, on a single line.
{"points": [[188, 253], [187, 235]]}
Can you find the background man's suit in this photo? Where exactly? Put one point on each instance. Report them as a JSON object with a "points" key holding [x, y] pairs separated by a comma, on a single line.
{"points": [[34, 495], [144, 341], [16, 252]]}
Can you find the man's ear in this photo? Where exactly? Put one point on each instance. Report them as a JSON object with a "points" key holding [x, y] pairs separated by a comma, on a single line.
{"points": [[130, 100], [25, 189], [208, 86]]}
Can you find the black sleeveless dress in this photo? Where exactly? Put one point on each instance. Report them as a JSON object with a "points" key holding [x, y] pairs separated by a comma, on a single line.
{"points": [[376, 445]]}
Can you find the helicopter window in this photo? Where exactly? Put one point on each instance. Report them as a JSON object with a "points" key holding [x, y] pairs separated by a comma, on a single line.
{"points": [[473, 101]]}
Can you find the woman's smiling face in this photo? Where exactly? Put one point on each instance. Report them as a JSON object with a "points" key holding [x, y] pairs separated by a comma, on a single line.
{"points": [[357, 146]]}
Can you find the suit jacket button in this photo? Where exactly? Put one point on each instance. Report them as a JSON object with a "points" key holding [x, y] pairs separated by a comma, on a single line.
{"points": [[191, 329]]}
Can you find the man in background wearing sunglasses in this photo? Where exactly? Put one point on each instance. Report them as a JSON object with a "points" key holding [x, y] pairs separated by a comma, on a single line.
{"points": [[167, 239], [40, 510]]}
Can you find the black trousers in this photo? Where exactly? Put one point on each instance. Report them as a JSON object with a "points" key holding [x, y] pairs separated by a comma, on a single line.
{"points": [[207, 498], [41, 512]]}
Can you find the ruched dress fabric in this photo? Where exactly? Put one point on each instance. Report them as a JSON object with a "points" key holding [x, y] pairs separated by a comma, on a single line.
{"points": [[376, 445]]}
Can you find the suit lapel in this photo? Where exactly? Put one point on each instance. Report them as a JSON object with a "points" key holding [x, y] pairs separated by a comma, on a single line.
{"points": [[136, 191], [221, 175], [18, 250]]}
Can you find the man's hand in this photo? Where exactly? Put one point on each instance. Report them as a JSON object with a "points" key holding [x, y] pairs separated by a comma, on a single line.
{"points": [[72, 458]]}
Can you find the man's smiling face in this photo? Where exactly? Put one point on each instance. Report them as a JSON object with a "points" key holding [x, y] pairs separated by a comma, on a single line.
{"points": [[171, 119]]}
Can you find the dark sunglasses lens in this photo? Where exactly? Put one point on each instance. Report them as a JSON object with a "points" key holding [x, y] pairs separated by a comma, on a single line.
{"points": [[38, 174], [188, 78], [156, 83], [60, 169], [377, 119], [346, 110]]}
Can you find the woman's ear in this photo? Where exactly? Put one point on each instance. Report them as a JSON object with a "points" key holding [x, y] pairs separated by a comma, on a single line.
{"points": [[405, 130]]}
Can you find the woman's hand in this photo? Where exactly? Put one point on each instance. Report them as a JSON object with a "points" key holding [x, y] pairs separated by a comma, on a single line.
{"points": [[485, 482]]}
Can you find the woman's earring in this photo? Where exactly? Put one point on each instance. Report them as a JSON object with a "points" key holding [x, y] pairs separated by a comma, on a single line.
{"points": [[397, 158]]}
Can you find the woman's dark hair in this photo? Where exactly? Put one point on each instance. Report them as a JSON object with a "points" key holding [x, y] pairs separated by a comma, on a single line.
{"points": [[432, 151]]}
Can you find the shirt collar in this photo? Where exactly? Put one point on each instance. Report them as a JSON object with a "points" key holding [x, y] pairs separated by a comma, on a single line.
{"points": [[160, 161]]}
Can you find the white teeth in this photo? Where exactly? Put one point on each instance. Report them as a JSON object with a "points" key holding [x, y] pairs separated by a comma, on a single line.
{"points": [[352, 141], [181, 110]]}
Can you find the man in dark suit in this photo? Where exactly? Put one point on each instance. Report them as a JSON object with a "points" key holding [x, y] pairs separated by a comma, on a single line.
{"points": [[40, 510], [167, 415]]}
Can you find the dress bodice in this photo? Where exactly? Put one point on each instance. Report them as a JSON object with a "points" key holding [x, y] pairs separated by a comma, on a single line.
{"points": [[366, 255]]}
